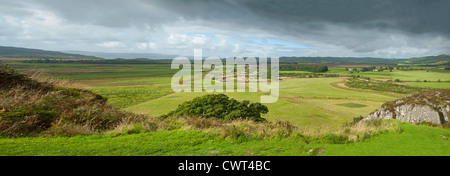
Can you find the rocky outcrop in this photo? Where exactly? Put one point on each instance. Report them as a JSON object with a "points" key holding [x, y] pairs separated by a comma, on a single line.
{"points": [[432, 107]]}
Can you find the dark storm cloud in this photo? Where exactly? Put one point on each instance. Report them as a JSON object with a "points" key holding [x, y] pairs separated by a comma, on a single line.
{"points": [[371, 27], [414, 16], [359, 25]]}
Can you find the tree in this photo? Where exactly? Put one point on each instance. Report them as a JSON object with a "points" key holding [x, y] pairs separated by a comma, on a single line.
{"points": [[220, 106]]}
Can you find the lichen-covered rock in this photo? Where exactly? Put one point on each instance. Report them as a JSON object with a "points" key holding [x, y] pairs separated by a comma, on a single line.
{"points": [[432, 107]]}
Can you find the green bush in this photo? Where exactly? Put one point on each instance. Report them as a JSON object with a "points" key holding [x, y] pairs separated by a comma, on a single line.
{"points": [[220, 106]]}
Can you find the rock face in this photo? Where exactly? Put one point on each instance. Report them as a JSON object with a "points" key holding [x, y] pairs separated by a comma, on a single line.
{"points": [[432, 107]]}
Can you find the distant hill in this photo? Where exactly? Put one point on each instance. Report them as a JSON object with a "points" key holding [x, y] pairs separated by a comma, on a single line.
{"points": [[441, 60], [339, 60], [16, 52], [124, 55]]}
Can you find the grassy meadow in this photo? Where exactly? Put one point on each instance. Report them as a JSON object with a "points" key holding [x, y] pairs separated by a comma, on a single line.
{"points": [[316, 106]]}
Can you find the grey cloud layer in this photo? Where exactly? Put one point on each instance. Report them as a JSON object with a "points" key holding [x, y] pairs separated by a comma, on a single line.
{"points": [[391, 28]]}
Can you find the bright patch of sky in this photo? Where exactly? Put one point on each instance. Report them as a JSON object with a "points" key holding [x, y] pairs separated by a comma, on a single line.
{"points": [[247, 46], [277, 43]]}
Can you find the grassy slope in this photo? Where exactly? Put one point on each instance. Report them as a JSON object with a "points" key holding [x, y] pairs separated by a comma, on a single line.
{"points": [[156, 143], [414, 140]]}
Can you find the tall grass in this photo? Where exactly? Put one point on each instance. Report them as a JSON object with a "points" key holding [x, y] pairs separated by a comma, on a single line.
{"points": [[31, 107], [246, 130]]}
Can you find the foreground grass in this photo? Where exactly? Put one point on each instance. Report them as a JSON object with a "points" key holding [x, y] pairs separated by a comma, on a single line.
{"points": [[176, 142], [413, 140]]}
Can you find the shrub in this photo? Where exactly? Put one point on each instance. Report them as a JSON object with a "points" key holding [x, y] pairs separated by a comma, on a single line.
{"points": [[220, 106]]}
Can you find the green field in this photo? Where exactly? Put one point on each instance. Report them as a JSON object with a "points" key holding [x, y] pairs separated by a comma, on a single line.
{"points": [[415, 75], [97, 72], [437, 85], [312, 104]]}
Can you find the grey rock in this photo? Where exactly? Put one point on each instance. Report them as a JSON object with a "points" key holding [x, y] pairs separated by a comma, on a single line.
{"points": [[413, 114], [432, 107]]}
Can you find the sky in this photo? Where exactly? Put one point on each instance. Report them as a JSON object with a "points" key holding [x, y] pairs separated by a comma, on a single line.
{"points": [[224, 28]]}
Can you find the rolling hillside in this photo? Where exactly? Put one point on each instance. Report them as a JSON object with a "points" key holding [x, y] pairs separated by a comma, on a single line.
{"points": [[441, 60], [26, 53]]}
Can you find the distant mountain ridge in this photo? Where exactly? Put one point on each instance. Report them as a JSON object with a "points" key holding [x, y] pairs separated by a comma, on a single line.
{"points": [[27, 53], [17, 52], [339, 60], [124, 55]]}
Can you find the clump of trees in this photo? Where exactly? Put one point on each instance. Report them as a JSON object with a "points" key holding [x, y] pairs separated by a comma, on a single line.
{"points": [[310, 68], [220, 106], [308, 75]]}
